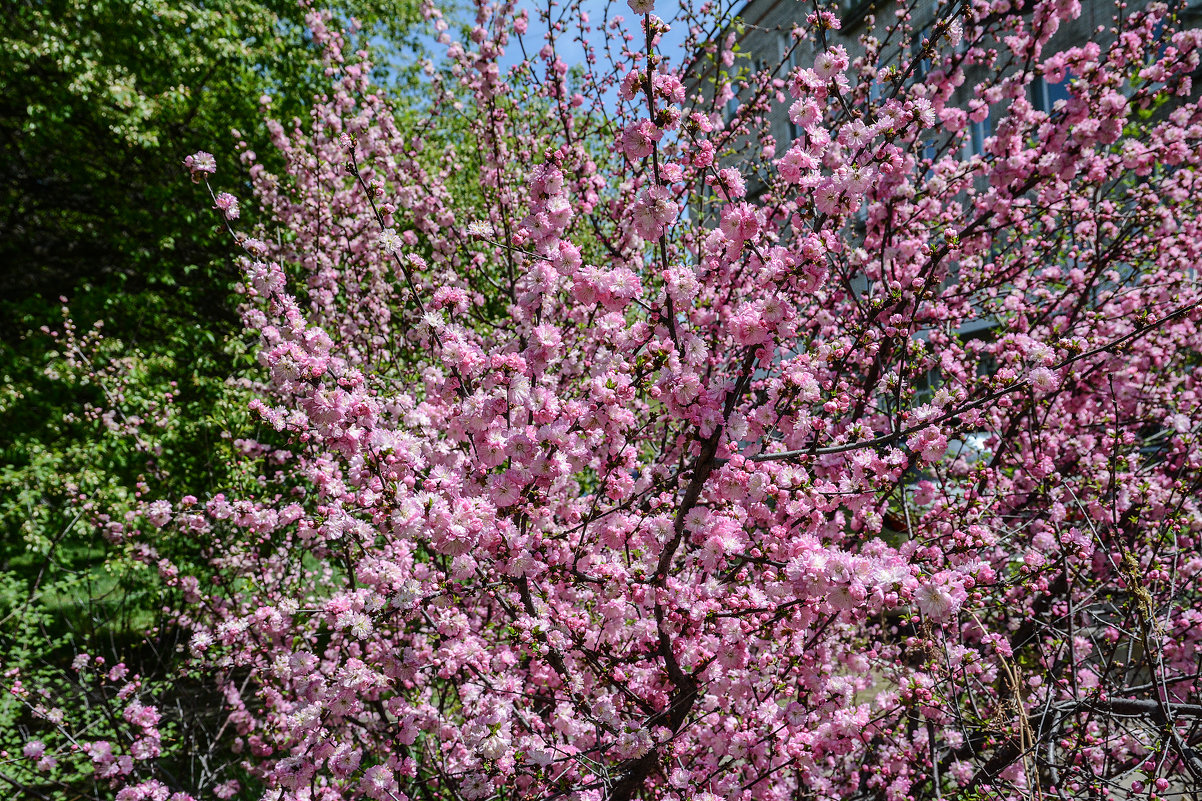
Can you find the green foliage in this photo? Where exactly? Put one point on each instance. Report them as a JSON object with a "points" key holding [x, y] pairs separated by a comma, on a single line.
{"points": [[101, 101]]}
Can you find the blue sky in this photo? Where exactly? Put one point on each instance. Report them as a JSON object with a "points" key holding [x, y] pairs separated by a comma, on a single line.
{"points": [[571, 52], [567, 48]]}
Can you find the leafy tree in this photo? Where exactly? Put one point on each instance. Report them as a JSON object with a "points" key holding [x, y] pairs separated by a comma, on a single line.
{"points": [[101, 99]]}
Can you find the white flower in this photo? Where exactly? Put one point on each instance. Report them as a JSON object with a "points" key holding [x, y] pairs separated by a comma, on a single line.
{"points": [[361, 626], [642, 6], [934, 601], [475, 785], [1044, 379], [632, 745], [494, 747], [389, 240], [479, 228], [940, 597]]}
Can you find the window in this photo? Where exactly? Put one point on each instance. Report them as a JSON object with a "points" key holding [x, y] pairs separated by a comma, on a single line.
{"points": [[853, 12], [731, 108], [876, 91], [1044, 95], [978, 132], [918, 52]]}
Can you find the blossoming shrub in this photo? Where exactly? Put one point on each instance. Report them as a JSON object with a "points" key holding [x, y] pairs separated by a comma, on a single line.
{"points": [[633, 453], [593, 497]]}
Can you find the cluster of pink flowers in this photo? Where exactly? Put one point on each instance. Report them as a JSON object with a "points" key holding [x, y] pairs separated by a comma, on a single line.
{"points": [[227, 204]]}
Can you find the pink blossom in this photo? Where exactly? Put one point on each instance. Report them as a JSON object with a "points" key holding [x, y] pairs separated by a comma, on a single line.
{"points": [[227, 204], [200, 164], [940, 598], [654, 212], [638, 139]]}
